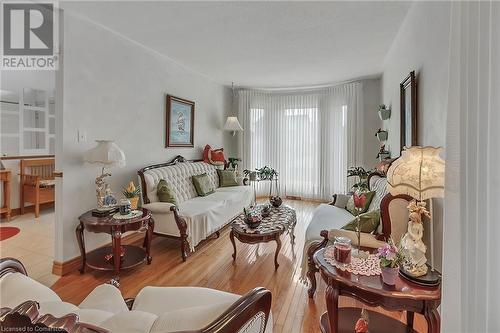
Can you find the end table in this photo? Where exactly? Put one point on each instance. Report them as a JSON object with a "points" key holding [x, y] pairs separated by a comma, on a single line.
{"points": [[404, 296], [133, 255]]}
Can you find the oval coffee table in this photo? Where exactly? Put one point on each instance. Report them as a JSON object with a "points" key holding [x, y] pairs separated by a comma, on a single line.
{"points": [[281, 219]]}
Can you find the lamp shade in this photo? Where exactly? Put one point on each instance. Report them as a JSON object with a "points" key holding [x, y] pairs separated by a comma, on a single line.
{"points": [[419, 172], [232, 124], [106, 154]]}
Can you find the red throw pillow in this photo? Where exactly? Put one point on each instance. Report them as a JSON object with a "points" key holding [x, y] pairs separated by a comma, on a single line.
{"points": [[214, 156]]}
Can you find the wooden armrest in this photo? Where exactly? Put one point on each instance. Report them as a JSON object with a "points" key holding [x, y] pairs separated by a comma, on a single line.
{"points": [[241, 313]]}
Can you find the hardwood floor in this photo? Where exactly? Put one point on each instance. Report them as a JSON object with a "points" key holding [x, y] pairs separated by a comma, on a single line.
{"points": [[212, 266]]}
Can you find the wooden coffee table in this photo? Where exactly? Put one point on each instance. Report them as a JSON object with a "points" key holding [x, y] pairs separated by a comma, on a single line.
{"points": [[404, 296], [133, 256], [281, 219]]}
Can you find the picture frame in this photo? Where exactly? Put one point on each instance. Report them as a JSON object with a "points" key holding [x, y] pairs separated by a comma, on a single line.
{"points": [[408, 111], [179, 122]]}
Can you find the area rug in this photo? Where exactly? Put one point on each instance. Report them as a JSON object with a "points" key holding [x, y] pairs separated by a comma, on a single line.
{"points": [[8, 232]]}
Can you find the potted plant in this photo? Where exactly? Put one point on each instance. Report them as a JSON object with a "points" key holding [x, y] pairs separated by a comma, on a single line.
{"points": [[132, 193], [357, 171], [252, 175], [383, 154], [391, 256], [383, 112], [381, 135], [233, 162]]}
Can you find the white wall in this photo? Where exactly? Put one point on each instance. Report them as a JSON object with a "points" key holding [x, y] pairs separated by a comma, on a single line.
{"points": [[115, 89], [372, 96], [422, 44]]}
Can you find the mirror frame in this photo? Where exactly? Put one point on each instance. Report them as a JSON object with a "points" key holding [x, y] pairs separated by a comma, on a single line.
{"points": [[409, 86]]}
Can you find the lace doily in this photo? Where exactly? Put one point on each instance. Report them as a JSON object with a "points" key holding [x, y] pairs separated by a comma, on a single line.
{"points": [[132, 214], [368, 267]]}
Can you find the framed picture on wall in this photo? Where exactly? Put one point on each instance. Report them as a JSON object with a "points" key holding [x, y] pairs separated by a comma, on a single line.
{"points": [[180, 122], [408, 95]]}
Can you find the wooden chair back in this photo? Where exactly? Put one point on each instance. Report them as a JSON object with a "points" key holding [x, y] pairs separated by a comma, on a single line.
{"points": [[44, 168]]}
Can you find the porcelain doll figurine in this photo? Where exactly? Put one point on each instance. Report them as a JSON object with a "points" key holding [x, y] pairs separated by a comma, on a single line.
{"points": [[412, 241]]}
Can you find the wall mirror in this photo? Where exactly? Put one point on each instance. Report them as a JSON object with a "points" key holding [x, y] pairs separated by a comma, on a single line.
{"points": [[408, 95]]}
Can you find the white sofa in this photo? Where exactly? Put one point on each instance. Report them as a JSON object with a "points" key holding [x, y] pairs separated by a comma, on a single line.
{"points": [[328, 219], [194, 218], [154, 310]]}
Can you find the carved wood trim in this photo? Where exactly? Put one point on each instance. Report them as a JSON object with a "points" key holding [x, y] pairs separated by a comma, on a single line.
{"points": [[174, 161], [11, 265], [386, 217]]}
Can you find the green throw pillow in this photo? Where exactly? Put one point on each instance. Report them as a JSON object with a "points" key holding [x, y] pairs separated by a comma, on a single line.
{"points": [[227, 178], [165, 193], [203, 185], [352, 209], [368, 222]]}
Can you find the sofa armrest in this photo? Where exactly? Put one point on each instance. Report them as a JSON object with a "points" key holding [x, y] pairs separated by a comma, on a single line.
{"points": [[251, 310], [340, 200], [159, 207], [366, 240]]}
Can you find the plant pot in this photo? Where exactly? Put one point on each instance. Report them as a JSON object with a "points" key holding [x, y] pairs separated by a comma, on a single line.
{"points": [[382, 136], [384, 114], [383, 156], [389, 275], [134, 202], [275, 201]]}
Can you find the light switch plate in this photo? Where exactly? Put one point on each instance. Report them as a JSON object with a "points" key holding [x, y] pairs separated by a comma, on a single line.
{"points": [[82, 136]]}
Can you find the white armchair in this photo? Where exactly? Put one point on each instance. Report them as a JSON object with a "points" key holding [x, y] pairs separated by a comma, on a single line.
{"points": [[26, 303]]}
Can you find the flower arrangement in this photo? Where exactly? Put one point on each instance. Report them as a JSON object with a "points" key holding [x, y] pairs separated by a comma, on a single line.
{"points": [[390, 255], [132, 193]]}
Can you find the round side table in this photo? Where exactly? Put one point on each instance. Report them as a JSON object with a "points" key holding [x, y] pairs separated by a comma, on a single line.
{"points": [[110, 258], [404, 296]]}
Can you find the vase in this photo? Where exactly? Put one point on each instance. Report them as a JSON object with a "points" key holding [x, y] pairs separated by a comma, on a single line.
{"points": [[276, 201], [383, 156], [382, 136], [384, 114], [134, 202], [389, 275]]}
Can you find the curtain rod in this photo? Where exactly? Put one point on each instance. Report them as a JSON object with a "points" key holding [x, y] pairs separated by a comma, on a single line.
{"points": [[307, 88]]}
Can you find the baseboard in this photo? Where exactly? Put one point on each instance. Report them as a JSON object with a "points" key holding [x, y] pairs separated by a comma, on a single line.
{"points": [[27, 209], [63, 268]]}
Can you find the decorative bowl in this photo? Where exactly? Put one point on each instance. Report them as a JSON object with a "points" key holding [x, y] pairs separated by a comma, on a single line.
{"points": [[276, 201]]}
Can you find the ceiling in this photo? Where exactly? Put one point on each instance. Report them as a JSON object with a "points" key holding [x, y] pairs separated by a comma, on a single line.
{"points": [[260, 44]]}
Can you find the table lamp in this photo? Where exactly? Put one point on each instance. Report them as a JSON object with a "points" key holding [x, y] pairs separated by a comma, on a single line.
{"points": [[419, 173], [106, 154]]}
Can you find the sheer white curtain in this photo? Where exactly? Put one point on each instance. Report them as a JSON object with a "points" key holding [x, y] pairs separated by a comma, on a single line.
{"points": [[309, 137], [471, 246]]}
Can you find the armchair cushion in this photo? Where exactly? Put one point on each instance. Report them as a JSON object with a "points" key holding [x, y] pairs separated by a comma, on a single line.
{"points": [[367, 240], [105, 297], [368, 222], [17, 288], [130, 322]]}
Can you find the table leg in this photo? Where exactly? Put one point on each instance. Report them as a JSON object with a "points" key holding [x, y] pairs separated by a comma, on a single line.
{"points": [[278, 248], [409, 318], [231, 236], [149, 238], [117, 240], [332, 307], [81, 245], [433, 320]]}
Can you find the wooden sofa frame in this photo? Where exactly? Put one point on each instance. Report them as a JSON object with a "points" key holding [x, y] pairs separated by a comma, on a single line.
{"points": [[383, 236], [181, 222], [31, 189], [248, 307]]}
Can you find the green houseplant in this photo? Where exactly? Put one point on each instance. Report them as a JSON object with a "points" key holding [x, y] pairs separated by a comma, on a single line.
{"points": [[362, 174]]}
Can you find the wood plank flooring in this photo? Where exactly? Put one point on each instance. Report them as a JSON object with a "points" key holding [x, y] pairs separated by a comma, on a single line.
{"points": [[212, 266]]}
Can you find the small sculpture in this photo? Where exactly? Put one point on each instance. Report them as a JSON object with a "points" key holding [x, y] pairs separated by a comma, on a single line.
{"points": [[362, 323], [101, 187], [414, 247]]}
